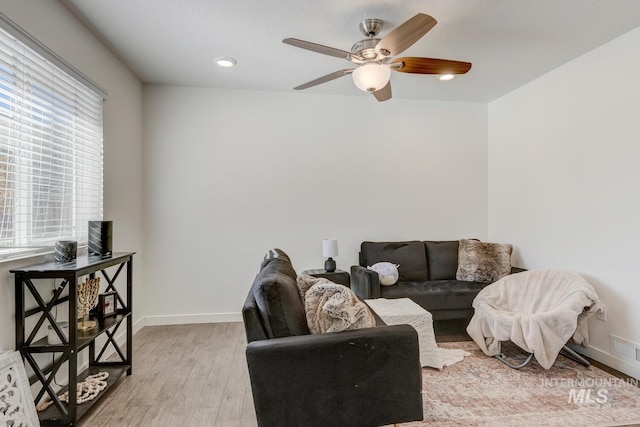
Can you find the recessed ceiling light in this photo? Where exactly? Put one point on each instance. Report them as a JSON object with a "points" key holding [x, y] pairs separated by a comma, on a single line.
{"points": [[226, 62], [445, 77]]}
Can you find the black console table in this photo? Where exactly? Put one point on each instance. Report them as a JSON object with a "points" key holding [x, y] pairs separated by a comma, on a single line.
{"points": [[61, 413]]}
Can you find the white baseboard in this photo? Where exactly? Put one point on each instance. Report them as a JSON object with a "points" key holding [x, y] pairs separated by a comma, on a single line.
{"points": [[185, 319], [139, 324], [614, 362]]}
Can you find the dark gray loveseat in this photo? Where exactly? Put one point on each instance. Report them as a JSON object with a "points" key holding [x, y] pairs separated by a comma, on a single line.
{"points": [[364, 377], [427, 275]]}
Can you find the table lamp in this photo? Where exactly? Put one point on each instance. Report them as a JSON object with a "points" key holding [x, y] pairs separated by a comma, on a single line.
{"points": [[330, 250]]}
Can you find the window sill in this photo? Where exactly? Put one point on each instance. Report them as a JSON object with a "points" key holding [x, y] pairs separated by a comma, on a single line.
{"points": [[47, 253]]}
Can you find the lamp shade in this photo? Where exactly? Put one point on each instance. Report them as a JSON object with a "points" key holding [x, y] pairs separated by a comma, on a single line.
{"points": [[330, 248], [371, 77]]}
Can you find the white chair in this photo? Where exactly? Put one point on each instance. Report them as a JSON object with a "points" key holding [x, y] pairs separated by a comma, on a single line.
{"points": [[538, 310]]}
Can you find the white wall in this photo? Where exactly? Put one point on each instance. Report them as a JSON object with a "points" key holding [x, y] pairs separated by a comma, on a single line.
{"points": [[54, 26], [231, 174], [564, 179]]}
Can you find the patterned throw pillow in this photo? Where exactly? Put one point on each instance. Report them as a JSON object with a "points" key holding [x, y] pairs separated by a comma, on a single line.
{"points": [[387, 272], [305, 282], [483, 262], [330, 307]]}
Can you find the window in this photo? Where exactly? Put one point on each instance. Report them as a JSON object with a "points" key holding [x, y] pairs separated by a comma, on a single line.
{"points": [[50, 146]]}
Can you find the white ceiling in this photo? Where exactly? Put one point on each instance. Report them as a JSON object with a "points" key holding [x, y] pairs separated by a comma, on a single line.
{"points": [[509, 42]]}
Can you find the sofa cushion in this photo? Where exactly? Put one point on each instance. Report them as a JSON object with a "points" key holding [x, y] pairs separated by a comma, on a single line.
{"points": [[305, 282], [442, 259], [483, 262], [253, 326], [334, 308], [278, 301], [436, 294], [411, 256]]}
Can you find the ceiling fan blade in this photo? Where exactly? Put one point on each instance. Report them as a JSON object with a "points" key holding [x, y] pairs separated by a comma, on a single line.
{"points": [[406, 34], [418, 65], [319, 48], [324, 79], [383, 94]]}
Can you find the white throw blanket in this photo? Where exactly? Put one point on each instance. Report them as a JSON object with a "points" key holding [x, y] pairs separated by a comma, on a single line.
{"points": [[538, 310], [402, 311]]}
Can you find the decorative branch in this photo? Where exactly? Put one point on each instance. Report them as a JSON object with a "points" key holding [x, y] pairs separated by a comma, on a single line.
{"points": [[87, 299]]}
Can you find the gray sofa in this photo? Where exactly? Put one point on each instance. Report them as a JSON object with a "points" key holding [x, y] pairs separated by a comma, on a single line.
{"points": [[362, 377], [427, 275]]}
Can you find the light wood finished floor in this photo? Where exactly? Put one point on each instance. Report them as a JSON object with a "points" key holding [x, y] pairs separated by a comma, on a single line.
{"points": [[183, 375], [193, 375], [196, 375]]}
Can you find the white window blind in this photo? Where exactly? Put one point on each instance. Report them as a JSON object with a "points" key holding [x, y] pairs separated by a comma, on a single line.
{"points": [[50, 150]]}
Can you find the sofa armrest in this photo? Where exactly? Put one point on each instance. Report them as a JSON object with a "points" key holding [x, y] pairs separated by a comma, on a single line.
{"points": [[365, 283], [357, 378], [515, 270]]}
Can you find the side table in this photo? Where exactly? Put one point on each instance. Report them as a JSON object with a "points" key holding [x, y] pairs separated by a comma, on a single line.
{"points": [[339, 276]]}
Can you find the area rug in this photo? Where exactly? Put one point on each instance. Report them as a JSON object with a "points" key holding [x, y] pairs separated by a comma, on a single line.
{"points": [[481, 391]]}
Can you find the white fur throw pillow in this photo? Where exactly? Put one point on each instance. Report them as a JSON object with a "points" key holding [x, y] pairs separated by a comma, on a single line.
{"points": [[483, 262], [333, 308], [304, 282], [387, 272]]}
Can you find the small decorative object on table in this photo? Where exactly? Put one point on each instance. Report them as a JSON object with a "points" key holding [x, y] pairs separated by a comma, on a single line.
{"points": [[87, 390], [100, 238], [107, 304], [52, 336], [330, 250], [65, 251], [87, 299]]}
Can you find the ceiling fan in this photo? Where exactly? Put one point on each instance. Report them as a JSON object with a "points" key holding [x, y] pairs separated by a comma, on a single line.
{"points": [[373, 56]]}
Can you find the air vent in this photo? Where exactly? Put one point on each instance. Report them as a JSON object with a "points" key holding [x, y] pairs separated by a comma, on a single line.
{"points": [[624, 349]]}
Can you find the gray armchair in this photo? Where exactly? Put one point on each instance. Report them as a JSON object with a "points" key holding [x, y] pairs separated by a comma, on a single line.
{"points": [[364, 377]]}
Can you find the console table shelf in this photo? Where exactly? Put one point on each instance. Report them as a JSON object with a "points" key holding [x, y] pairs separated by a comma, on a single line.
{"points": [[51, 416], [68, 275], [83, 339]]}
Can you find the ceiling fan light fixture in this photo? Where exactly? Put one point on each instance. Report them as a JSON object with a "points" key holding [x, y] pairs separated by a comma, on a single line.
{"points": [[225, 62], [371, 77], [446, 77], [373, 58]]}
